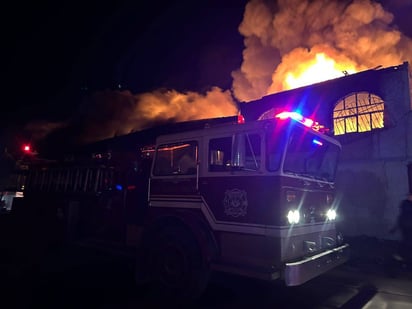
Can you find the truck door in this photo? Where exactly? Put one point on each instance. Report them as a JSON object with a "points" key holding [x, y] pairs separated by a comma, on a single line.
{"points": [[234, 187]]}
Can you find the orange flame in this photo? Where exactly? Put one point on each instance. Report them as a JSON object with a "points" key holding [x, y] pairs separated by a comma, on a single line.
{"points": [[316, 70], [303, 67]]}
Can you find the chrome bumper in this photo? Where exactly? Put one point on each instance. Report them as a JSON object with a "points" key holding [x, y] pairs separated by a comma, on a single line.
{"points": [[299, 272]]}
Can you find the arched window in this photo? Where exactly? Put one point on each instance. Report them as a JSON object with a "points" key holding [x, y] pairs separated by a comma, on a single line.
{"points": [[358, 112]]}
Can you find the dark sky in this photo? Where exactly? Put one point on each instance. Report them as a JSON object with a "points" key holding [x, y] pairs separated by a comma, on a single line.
{"points": [[54, 50]]}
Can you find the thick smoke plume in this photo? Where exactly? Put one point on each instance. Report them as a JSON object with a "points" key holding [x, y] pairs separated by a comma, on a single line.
{"points": [[280, 38], [110, 113], [121, 112]]}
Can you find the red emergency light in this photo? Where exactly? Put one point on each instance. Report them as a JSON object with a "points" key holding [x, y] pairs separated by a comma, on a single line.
{"points": [[26, 148], [240, 119]]}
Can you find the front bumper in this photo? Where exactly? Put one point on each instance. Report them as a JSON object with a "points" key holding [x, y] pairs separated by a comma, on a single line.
{"points": [[299, 272]]}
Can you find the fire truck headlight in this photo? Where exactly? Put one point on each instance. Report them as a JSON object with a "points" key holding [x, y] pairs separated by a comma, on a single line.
{"points": [[331, 214], [293, 216]]}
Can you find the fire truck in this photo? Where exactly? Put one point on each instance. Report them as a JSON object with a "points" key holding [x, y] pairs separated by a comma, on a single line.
{"points": [[255, 199]]}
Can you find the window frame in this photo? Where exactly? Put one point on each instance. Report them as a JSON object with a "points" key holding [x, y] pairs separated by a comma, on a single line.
{"points": [[351, 116], [228, 155], [176, 169]]}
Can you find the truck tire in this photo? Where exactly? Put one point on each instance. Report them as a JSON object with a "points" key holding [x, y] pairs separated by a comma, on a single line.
{"points": [[178, 270]]}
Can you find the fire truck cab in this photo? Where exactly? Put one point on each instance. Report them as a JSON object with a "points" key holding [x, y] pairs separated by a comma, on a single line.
{"points": [[255, 199]]}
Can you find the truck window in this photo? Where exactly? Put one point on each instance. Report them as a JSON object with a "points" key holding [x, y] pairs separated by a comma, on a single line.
{"points": [[176, 159], [220, 152], [311, 156], [274, 149], [221, 156], [252, 158]]}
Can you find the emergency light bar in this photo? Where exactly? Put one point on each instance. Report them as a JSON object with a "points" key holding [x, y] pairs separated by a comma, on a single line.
{"points": [[310, 123], [296, 116]]}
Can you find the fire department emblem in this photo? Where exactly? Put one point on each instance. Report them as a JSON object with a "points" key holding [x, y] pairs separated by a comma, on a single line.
{"points": [[235, 203]]}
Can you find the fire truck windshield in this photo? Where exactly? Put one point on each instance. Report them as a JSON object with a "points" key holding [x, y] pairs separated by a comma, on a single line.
{"points": [[309, 155]]}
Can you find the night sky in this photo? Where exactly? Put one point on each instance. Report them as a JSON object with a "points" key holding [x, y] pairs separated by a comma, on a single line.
{"points": [[69, 47], [56, 52]]}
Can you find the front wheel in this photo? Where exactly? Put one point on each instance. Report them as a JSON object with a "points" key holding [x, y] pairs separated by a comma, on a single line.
{"points": [[177, 267]]}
